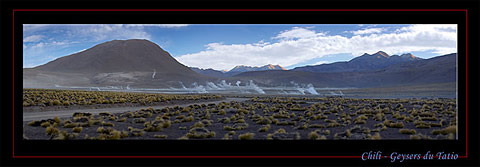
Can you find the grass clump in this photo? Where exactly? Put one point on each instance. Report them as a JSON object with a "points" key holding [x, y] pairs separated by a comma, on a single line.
{"points": [[107, 124], [407, 131], [160, 136], [246, 136], [70, 125], [445, 131], [390, 124], [45, 124], [77, 129], [63, 135], [264, 128], [139, 120], [57, 120], [314, 135], [121, 120], [200, 133], [188, 119], [136, 132], [376, 136], [316, 126], [52, 130]]}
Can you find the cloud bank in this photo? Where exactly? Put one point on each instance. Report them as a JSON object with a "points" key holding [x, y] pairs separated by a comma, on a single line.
{"points": [[299, 45]]}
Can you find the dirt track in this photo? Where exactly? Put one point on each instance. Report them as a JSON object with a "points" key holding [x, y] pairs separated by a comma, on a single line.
{"points": [[30, 116]]}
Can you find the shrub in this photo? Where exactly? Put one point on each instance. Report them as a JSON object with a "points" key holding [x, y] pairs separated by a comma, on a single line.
{"points": [[107, 124], [333, 124], [415, 137], [188, 119], [393, 125], [221, 112], [323, 137], [281, 130], [167, 124], [226, 137], [139, 120], [326, 132], [225, 120], [246, 136], [264, 128], [376, 136], [122, 120], [77, 129], [423, 126], [45, 124], [232, 133], [33, 123], [407, 131], [229, 128], [316, 126], [57, 120], [63, 135], [160, 136], [123, 134], [151, 128], [136, 132], [56, 102], [52, 130], [69, 125], [360, 122], [269, 136], [314, 135], [445, 131]]}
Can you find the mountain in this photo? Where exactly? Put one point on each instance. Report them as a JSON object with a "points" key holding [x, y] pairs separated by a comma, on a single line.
{"points": [[208, 72], [241, 68], [118, 62], [236, 70], [440, 69], [118, 56], [366, 62]]}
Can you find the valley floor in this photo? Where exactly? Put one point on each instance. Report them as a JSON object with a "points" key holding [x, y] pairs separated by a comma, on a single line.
{"points": [[259, 118]]}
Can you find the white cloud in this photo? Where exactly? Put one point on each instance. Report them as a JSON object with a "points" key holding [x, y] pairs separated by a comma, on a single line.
{"points": [[300, 45], [297, 32], [321, 62], [367, 31], [33, 38], [102, 32], [157, 25]]}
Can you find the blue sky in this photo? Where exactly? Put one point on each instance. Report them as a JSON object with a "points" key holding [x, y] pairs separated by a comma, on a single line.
{"points": [[222, 47]]}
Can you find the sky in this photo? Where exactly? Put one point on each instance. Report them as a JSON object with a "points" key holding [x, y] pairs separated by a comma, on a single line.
{"points": [[224, 46]]}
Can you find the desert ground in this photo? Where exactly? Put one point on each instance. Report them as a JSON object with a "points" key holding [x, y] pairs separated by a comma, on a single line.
{"points": [[94, 115]]}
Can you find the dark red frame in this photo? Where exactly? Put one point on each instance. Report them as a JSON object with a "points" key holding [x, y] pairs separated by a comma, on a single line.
{"points": [[240, 10]]}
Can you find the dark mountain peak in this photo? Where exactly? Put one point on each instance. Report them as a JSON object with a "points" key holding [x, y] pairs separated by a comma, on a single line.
{"points": [[381, 53], [408, 55], [118, 56], [274, 67], [244, 68]]}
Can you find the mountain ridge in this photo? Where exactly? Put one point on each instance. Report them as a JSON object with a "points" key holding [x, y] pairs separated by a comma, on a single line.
{"points": [[365, 62]]}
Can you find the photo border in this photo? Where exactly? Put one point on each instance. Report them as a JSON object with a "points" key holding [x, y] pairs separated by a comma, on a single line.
{"points": [[239, 10]]}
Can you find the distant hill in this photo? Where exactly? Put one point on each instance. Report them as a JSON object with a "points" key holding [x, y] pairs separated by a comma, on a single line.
{"points": [[118, 62], [209, 72], [366, 62], [441, 69], [236, 70], [118, 56], [143, 64], [240, 69]]}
